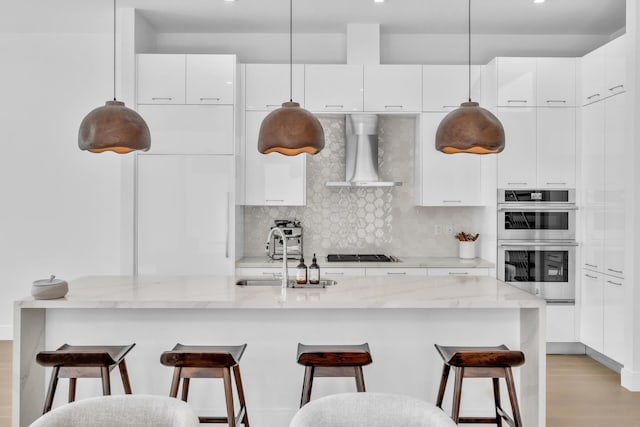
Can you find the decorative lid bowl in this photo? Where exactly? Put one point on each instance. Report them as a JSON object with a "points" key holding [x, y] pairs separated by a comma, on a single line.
{"points": [[50, 288]]}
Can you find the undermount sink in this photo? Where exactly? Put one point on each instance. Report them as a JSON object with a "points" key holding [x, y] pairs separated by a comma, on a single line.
{"points": [[291, 284]]}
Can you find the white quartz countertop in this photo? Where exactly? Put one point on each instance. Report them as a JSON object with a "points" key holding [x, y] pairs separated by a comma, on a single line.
{"points": [[405, 262], [211, 292]]}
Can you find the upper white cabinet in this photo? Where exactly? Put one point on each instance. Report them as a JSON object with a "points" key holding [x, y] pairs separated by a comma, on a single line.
{"points": [[185, 79], [334, 88], [392, 88], [516, 82], [556, 147], [556, 82], [271, 179], [445, 87], [267, 86], [517, 162], [446, 179], [603, 72]]}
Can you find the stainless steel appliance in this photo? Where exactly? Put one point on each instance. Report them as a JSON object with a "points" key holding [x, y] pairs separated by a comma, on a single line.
{"points": [[361, 258], [536, 242], [293, 231]]}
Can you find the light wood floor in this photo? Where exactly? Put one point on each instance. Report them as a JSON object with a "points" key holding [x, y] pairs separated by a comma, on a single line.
{"points": [[580, 393]]}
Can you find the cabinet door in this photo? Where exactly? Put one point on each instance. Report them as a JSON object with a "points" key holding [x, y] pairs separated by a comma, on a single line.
{"points": [[517, 82], [614, 185], [592, 77], [561, 323], [458, 272], [615, 71], [189, 129], [591, 312], [161, 79], [267, 86], [184, 214], [374, 272], [210, 79], [556, 82], [333, 87], [337, 272], [613, 318], [556, 147], [517, 163], [447, 179], [445, 87], [392, 88], [271, 179], [592, 184]]}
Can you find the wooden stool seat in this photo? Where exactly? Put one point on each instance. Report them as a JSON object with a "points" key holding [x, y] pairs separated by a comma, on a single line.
{"points": [[84, 361], [201, 361], [481, 362], [332, 361]]}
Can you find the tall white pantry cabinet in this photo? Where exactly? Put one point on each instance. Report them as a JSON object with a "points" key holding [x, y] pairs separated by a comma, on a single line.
{"points": [[185, 198]]}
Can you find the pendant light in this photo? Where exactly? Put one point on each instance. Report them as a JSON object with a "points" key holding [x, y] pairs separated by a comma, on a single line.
{"points": [[470, 128], [113, 127], [290, 130]]}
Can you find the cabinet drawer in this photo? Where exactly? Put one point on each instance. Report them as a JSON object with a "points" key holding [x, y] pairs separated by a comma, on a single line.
{"points": [[342, 272], [258, 272], [373, 272], [458, 272]]}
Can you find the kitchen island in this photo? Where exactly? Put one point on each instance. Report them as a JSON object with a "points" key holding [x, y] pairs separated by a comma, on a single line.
{"points": [[400, 317]]}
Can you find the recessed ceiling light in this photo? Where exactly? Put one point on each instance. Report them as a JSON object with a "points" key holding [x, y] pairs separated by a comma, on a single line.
{"points": [[229, 1], [538, 1], [378, 1]]}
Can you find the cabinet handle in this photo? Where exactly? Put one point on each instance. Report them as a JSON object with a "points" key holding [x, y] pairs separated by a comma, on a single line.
{"points": [[452, 201], [394, 106], [396, 273], [272, 105], [463, 273], [228, 226], [614, 283], [161, 99], [616, 87], [334, 273], [590, 276], [271, 273], [209, 99], [521, 101], [450, 106], [556, 183], [591, 265], [551, 101], [273, 200], [334, 106], [593, 96], [615, 271], [516, 183]]}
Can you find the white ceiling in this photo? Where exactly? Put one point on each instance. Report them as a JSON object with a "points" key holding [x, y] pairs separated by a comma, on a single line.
{"points": [[602, 17]]}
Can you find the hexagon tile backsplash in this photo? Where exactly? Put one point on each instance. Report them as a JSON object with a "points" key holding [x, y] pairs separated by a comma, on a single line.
{"points": [[363, 220]]}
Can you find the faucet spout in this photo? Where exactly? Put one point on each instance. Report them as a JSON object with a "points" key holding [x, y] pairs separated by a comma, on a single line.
{"points": [[285, 271]]}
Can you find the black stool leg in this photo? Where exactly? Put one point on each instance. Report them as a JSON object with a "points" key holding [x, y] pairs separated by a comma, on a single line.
{"points": [[52, 389], [240, 389], [72, 389], [457, 394], [443, 385], [228, 394], [513, 398], [359, 379], [496, 399], [106, 381], [306, 387], [125, 377]]}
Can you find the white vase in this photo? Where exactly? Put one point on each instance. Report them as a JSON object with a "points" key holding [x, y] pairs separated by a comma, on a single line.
{"points": [[467, 250]]}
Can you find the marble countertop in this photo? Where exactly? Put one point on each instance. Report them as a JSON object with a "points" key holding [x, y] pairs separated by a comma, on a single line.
{"points": [[405, 262], [212, 292]]}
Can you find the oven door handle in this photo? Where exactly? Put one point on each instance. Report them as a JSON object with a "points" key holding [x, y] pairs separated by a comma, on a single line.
{"points": [[535, 244], [545, 208]]}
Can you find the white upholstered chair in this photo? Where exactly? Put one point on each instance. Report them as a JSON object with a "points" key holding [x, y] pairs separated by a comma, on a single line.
{"points": [[122, 410], [370, 410]]}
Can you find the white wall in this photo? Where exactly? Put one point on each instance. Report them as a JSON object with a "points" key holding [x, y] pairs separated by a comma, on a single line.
{"points": [[60, 207]]}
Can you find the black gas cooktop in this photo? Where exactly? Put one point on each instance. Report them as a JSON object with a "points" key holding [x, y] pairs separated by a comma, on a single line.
{"points": [[358, 258]]}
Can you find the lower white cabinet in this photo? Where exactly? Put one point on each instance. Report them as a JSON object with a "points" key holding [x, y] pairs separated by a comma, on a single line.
{"points": [[271, 179], [333, 272], [591, 310], [185, 214], [267, 272], [373, 272], [561, 323], [458, 272], [446, 179]]}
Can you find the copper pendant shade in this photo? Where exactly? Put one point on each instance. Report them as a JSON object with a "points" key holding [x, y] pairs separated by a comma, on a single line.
{"points": [[470, 128], [290, 130], [113, 127]]}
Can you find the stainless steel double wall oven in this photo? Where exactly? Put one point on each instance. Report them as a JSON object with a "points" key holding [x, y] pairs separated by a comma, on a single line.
{"points": [[537, 242]]}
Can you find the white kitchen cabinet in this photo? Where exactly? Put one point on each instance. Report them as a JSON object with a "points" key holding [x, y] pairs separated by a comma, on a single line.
{"points": [[561, 323], [592, 77], [337, 272], [395, 271], [591, 310], [185, 79], [331, 88], [267, 86], [185, 215], [516, 82], [615, 66], [458, 272], [445, 87], [556, 147], [517, 162], [189, 129], [446, 179], [556, 82], [613, 318], [392, 88], [267, 272], [161, 79], [271, 179], [614, 185]]}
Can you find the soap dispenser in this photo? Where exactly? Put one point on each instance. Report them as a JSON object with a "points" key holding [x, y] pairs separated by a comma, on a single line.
{"points": [[314, 272], [301, 272]]}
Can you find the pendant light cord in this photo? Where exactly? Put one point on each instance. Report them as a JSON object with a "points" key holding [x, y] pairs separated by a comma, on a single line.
{"points": [[114, 50], [469, 41], [290, 50]]}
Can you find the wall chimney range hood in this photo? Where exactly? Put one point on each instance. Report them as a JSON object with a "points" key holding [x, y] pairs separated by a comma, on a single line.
{"points": [[361, 152]]}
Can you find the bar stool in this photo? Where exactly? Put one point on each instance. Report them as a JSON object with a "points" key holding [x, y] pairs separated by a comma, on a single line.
{"points": [[332, 361], [481, 362], [84, 361], [197, 361]]}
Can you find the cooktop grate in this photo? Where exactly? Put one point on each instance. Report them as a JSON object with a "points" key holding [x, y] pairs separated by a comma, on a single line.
{"points": [[358, 258]]}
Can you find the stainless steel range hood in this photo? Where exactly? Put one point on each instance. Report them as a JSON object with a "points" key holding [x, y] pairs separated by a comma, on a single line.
{"points": [[361, 169]]}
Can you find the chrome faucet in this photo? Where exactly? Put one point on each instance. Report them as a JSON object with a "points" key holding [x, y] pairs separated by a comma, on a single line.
{"points": [[285, 272]]}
